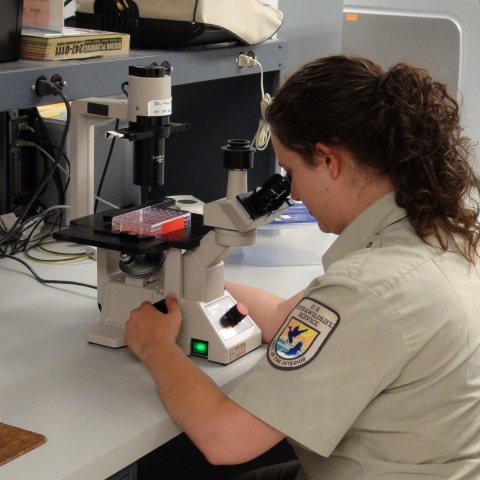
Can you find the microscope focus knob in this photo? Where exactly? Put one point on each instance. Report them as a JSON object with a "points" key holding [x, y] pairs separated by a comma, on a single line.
{"points": [[235, 315]]}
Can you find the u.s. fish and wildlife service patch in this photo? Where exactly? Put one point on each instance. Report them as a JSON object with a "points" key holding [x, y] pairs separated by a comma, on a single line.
{"points": [[302, 336]]}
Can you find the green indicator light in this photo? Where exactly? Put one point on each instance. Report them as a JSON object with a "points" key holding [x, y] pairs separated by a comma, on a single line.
{"points": [[199, 347]]}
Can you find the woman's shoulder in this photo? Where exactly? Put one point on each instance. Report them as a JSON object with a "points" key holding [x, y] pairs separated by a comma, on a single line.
{"points": [[398, 258]]}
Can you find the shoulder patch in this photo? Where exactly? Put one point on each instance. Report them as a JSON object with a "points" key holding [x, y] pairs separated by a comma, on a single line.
{"points": [[302, 335]]}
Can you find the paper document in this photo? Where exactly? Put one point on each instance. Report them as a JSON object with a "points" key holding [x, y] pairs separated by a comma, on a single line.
{"points": [[43, 14]]}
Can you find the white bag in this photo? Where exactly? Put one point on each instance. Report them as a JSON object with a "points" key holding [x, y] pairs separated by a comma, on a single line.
{"points": [[249, 21]]}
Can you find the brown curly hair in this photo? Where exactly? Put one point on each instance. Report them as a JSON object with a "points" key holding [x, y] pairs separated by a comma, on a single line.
{"points": [[398, 122]]}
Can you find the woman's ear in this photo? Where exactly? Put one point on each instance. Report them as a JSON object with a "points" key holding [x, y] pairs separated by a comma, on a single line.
{"points": [[331, 157]]}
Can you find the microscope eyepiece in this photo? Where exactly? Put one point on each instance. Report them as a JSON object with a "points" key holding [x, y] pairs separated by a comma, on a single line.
{"points": [[238, 155], [269, 197], [238, 144], [272, 193]]}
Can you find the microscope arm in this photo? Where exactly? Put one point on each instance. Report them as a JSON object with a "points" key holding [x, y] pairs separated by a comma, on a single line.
{"points": [[86, 113], [203, 277]]}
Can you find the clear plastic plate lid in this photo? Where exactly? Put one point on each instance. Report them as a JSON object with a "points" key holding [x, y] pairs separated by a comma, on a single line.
{"points": [[151, 221], [297, 213]]}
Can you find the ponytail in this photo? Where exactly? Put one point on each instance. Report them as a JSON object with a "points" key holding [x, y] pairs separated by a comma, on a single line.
{"points": [[399, 123]]}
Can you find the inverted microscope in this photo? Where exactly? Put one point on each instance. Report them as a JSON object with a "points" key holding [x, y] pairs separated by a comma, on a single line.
{"points": [[140, 259]]}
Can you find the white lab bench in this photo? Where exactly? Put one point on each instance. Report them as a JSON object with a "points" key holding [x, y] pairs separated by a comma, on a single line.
{"points": [[98, 407]]}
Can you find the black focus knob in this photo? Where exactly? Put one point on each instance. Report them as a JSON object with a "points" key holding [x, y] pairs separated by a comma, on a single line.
{"points": [[161, 306], [235, 315]]}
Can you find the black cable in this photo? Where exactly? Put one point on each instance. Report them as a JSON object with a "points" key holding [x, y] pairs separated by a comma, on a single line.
{"points": [[42, 280], [28, 240], [99, 191], [54, 225], [40, 136], [17, 244], [67, 161], [49, 173], [67, 183], [48, 146], [109, 157]]}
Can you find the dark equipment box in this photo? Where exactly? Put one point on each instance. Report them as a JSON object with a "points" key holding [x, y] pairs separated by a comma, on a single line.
{"points": [[154, 33], [10, 30]]}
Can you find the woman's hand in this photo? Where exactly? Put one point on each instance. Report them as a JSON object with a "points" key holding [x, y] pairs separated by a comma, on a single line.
{"points": [[266, 309], [148, 328]]}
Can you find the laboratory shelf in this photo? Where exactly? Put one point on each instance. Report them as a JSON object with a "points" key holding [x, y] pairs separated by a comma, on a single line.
{"points": [[97, 77]]}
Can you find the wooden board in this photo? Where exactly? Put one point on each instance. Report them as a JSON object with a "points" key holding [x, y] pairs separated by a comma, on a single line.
{"points": [[15, 441]]}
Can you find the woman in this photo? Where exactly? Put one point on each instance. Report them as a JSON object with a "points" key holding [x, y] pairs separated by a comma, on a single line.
{"points": [[374, 370]]}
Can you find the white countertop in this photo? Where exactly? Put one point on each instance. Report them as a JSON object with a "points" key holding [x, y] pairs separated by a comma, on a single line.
{"points": [[98, 407]]}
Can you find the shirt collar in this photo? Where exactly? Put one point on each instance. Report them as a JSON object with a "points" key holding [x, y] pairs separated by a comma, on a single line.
{"points": [[370, 222]]}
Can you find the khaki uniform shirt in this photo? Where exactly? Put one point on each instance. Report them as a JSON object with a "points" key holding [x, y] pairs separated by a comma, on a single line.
{"points": [[386, 381]]}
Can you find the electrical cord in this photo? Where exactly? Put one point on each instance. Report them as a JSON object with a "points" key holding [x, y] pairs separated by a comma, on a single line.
{"points": [[124, 84], [17, 244], [66, 257], [40, 135], [107, 163], [47, 144], [42, 280], [12, 236], [263, 134], [50, 172], [27, 143], [67, 161], [24, 244], [111, 205]]}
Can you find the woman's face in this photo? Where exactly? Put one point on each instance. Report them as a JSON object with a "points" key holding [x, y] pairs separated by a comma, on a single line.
{"points": [[311, 185], [335, 189]]}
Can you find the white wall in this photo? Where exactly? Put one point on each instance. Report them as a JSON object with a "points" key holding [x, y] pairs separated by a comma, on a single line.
{"points": [[313, 29], [466, 15]]}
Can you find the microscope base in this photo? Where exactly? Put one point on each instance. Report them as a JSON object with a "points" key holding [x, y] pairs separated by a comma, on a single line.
{"points": [[107, 335], [118, 301]]}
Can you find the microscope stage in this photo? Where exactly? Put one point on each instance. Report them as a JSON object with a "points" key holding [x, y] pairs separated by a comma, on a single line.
{"points": [[96, 230]]}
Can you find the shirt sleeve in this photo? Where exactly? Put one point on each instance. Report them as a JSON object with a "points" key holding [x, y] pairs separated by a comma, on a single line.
{"points": [[318, 402]]}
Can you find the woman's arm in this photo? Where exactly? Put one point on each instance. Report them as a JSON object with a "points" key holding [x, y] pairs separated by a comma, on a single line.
{"points": [[223, 431], [266, 309]]}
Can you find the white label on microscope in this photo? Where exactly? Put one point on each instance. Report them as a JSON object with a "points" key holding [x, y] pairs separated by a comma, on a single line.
{"points": [[160, 108]]}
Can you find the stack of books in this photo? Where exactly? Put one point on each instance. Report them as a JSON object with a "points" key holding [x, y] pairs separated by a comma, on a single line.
{"points": [[72, 43]]}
